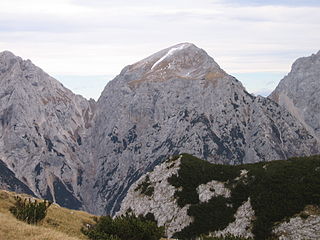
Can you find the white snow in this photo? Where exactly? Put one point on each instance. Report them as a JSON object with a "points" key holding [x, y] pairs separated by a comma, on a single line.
{"points": [[169, 53]]}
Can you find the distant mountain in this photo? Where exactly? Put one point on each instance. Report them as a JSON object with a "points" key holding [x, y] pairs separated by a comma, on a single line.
{"points": [[299, 92], [41, 123], [86, 154], [180, 100], [192, 197]]}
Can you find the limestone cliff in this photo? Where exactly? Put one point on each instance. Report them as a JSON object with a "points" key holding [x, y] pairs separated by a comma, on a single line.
{"points": [[41, 123]]}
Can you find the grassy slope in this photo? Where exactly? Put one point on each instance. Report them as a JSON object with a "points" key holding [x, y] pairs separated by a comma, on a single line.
{"points": [[278, 190], [60, 223]]}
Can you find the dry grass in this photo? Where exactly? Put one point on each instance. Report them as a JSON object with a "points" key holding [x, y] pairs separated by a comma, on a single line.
{"points": [[60, 223]]}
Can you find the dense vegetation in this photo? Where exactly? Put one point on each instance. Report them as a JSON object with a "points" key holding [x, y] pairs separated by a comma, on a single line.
{"points": [[127, 227], [228, 237], [278, 190], [30, 211]]}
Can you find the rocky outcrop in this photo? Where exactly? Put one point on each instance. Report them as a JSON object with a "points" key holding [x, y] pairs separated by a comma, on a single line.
{"points": [[242, 225], [232, 203], [305, 225], [41, 123], [180, 100], [160, 202], [212, 189], [299, 92]]}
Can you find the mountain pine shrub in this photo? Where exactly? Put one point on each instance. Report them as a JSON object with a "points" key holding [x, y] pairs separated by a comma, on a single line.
{"points": [[127, 227], [227, 237], [278, 190], [30, 211]]}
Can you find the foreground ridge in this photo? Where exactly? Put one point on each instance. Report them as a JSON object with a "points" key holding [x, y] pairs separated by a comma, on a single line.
{"points": [[192, 197]]}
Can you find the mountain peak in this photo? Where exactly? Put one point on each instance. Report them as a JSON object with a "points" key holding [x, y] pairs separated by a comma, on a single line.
{"points": [[183, 61], [171, 52], [299, 92], [7, 53]]}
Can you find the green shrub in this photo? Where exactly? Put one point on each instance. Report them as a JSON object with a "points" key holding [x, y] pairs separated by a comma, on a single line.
{"points": [[30, 211], [128, 227], [227, 237], [145, 187]]}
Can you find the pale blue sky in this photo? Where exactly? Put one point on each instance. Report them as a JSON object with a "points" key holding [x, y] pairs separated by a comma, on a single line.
{"points": [[84, 43]]}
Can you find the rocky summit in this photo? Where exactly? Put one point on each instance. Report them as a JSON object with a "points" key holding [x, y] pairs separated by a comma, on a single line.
{"points": [[86, 154]]}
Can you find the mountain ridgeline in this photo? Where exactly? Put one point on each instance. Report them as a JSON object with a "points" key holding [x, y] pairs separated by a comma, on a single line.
{"points": [[85, 154]]}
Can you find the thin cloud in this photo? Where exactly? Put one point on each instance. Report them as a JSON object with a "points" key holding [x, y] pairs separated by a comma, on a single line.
{"points": [[78, 37]]}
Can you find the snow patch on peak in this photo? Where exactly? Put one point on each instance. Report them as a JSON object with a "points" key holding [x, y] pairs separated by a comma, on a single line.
{"points": [[171, 52]]}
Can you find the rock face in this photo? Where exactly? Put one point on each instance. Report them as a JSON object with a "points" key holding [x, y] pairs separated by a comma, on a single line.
{"points": [[8, 181], [242, 225], [297, 228], [41, 123], [180, 100], [299, 92]]}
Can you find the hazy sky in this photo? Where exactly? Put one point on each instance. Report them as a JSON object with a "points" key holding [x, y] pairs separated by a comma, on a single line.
{"points": [[85, 43]]}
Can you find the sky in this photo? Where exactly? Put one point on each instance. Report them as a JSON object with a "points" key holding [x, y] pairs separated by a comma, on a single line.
{"points": [[86, 43]]}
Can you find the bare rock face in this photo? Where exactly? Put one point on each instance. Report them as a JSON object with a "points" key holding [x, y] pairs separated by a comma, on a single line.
{"points": [[299, 92], [297, 228], [242, 225], [180, 100], [153, 194], [41, 123], [8, 181]]}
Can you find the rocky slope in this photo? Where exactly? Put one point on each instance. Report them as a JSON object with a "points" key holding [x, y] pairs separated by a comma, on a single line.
{"points": [[180, 100], [299, 92], [192, 197], [40, 130]]}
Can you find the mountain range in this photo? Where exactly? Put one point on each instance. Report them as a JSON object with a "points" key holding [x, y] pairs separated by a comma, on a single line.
{"points": [[85, 154]]}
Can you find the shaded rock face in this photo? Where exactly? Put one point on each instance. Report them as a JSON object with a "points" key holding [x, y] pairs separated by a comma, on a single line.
{"points": [[9, 182], [41, 123], [299, 92], [180, 100]]}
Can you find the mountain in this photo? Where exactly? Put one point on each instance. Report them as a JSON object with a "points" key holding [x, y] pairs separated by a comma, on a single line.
{"points": [[85, 154], [180, 100], [40, 130], [192, 197], [299, 92]]}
